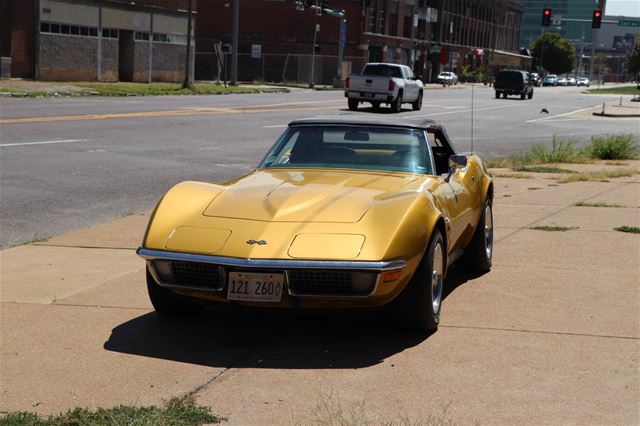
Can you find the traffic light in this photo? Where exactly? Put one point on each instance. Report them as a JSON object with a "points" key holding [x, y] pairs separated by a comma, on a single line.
{"points": [[596, 20], [546, 17]]}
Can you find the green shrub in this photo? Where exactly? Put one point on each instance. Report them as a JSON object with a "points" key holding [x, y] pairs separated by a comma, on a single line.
{"points": [[562, 151], [613, 147]]}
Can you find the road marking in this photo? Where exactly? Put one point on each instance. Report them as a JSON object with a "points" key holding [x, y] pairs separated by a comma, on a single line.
{"points": [[558, 115], [4, 145], [418, 117]]}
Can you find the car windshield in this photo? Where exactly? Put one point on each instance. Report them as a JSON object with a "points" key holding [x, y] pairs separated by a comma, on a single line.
{"points": [[351, 147], [382, 70]]}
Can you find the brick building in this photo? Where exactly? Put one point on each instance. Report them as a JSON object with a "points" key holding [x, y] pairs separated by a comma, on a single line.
{"points": [[428, 35], [106, 40]]}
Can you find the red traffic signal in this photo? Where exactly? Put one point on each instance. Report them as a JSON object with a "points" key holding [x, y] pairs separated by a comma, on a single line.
{"points": [[546, 17], [596, 20]]}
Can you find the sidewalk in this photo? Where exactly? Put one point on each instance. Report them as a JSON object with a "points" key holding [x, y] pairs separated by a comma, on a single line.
{"points": [[624, 108], [550, 336]]}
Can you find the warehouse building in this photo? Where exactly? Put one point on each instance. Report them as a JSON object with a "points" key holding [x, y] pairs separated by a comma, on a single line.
{"points": [[92, 40]]}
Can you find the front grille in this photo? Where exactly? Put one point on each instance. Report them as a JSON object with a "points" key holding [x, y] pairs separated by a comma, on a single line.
{"points": [[189, 274], [331, 283]]}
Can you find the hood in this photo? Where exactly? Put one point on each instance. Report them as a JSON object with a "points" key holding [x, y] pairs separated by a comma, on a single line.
{"points": [[304, 195]]}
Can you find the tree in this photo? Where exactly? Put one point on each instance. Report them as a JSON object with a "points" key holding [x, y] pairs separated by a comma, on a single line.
{"points": [[555, 53], [632, 62]]}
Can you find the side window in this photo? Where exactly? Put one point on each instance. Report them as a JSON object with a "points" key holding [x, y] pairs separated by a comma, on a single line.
{"points": [[441, 151]]}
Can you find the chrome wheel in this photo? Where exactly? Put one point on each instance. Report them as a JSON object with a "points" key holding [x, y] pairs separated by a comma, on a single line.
{"points": [[437, 278], [488, 231]]}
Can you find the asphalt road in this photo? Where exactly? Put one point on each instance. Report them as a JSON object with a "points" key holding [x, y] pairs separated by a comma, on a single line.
{"points": [[68, 163]]}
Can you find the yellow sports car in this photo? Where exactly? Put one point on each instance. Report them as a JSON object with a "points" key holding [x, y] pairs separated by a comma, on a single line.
{"points": [[343, 212]]}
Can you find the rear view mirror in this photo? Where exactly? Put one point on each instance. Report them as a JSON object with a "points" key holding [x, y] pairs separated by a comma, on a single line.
{"points": [[456, 162]]}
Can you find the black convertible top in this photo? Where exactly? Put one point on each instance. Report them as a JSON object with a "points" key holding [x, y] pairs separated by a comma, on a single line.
{"points": [[365, 120]]}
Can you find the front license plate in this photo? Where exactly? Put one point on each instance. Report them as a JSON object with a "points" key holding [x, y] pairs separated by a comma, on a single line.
{"points": [[257, 287]]}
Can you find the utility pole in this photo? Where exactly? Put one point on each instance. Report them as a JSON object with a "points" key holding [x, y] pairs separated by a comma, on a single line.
{"points": [[234, 42], [187, 83], [313, 56]]}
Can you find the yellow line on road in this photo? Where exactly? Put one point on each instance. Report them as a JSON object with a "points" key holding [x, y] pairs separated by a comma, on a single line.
{"points": [[143, 114]]}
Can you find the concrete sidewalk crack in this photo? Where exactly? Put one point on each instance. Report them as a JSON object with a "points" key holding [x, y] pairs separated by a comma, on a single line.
{"points": [[558, 211], [557, 333], [251, 350]]}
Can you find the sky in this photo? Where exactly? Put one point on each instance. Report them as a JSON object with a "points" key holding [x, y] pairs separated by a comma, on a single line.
{"points": [[623, 7]]}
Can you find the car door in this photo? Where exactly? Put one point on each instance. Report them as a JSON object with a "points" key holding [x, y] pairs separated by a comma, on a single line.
{"points": [[410, 84]]}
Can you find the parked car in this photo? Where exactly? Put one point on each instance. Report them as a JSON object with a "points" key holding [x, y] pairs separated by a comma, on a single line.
{"points": [[382, 83], [571, 81], [583, 81], [513, 82], [344, 212], [535, 79], [550, 80], [447, 78], [562, 82]]}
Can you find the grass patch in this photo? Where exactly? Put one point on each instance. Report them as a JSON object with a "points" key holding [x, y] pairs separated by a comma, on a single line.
{"points": [[623, 90], [542, 169], [553, 228], [598, 204], [628, 229], [613, 147], [512, 175], [616, 163], [600, 176], [182, 411], [156, 89]]}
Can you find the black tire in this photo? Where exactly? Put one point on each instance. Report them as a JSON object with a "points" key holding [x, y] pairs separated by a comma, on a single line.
{"points": [[480, 250], [497, 95], [353, 104], [166, 303], [530, 95], [504, 95], [375, 105], [417, 105], [523, 95], [396, 104], [420, 303]]}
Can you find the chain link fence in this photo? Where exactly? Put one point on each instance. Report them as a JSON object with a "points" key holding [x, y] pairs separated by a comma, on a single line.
{"points": [[276, 68]]}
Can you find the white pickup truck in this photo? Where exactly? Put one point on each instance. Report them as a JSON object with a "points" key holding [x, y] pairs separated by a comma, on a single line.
{"points": [[382, 83]]}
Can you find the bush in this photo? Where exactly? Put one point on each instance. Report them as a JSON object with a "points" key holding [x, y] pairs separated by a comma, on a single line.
{"points": [[562, 151], [613, 147]]}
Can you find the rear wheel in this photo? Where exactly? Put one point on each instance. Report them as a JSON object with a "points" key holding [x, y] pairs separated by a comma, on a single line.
{"points": [[504, 95], [523, 96], [530, 95], [418, 103], [396, 105], [353, 104], [497, 95], [166, 303], [422, 299], [480, 251]]}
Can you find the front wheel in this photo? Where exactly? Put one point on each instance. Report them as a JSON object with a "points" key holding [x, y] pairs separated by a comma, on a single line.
{"points": [[417, 105], [530, 95], [523, 96], [166, 303], [497, 95], [422, 298], [480, 250], [353, 104]]}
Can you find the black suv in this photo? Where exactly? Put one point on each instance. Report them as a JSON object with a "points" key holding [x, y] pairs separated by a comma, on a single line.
{"points": [[513, 82]]}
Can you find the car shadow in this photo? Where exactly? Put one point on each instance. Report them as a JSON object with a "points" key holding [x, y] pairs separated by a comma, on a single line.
{"points": [[380, 110], [225, 337]]}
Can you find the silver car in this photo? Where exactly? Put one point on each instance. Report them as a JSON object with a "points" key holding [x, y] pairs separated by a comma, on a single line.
{"points": [[447, 77], [583, 81]]}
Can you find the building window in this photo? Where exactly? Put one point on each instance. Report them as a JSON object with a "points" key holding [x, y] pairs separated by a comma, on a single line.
{"points": [[76, 30], [141, 36]]}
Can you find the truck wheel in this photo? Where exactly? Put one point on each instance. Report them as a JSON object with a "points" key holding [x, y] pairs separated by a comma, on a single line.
{"points": [[530, 95], [522, 96], [497, 95], [396, 105], [504, 95], [418, 103], [353, 104]]}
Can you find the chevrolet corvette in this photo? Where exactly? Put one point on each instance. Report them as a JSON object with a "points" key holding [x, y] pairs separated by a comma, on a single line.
{"points": [[343, 212]]}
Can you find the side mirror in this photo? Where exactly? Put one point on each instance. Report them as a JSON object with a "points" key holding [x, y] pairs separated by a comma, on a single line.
{"points": [[456, 162]]}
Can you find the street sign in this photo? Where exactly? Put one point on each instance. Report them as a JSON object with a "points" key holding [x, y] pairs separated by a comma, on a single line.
{"points": [[557, 19], [623, 23]]}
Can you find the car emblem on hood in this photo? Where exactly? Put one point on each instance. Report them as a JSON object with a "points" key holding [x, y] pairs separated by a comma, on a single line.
{"points": [[258, 242]]}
